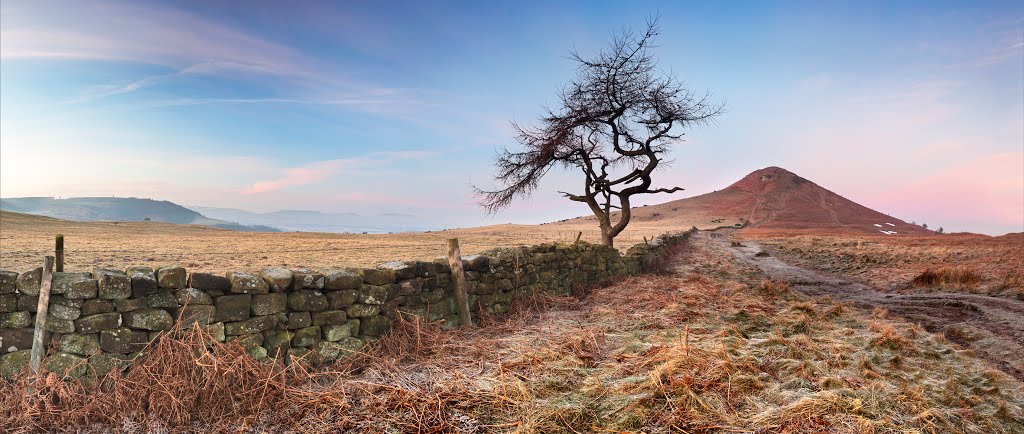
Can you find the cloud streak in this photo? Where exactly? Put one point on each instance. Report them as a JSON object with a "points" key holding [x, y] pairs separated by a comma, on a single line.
{"points": [[321, 170]]}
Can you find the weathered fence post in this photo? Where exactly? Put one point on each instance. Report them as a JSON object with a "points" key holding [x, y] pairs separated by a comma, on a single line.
{"points": [[578, 236], [38, 346], [58, 252], [459, 279]]}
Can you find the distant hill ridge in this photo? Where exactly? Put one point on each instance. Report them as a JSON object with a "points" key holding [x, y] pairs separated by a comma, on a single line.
{"points": [[128, 209], [775, 198]]}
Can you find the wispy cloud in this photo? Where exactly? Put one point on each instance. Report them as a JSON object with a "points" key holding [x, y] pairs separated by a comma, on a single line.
{"points": [[1006, 51], [318, 171], [152, 35]]}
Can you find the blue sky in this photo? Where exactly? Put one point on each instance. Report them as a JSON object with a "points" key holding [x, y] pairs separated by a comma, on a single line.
{"points": [[914, 109]]}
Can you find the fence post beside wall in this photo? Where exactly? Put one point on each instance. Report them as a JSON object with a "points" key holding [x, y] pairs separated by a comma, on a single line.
{"points": [[38, 346], [58, 252], [459, 280]]}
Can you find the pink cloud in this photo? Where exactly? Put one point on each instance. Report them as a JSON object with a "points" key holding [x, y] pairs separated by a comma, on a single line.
{"points": [[318, 171]]}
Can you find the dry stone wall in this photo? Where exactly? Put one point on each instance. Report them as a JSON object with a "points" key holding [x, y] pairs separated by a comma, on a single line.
{"points": [[100, 320]]}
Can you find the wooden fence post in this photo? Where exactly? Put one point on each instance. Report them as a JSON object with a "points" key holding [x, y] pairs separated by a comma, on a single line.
{"points": [[459, 279], [58, 252], [578, 236], [38, 346]]}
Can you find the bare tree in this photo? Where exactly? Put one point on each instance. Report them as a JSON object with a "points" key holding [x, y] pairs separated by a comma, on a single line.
{"points": [[616, 122]]}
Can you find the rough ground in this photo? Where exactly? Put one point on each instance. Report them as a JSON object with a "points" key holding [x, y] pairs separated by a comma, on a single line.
{"points": [[708, 346], [991, 326]]}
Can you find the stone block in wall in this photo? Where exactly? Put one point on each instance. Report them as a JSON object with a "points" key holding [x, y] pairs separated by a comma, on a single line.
{"points": [[374, 276], [306, 337], [504, 285], [411, 287], [478, 263], [65, 301], [277, 342], [342, 298], [98, 322], [282, 321], [299, 354], [441, 309], [432, 296], [232, 307], [14, 363], [401, 270], [201, 314], [143, 281], [373, 294], [308, 279], [375, 325], [171, 277], [162, 300], [393, 306], [360, 310], [8, 303], [80, 344], [480, 288], [149, 319], [307, 300], [342, 280], [425, 269], [97, 305], [15, 320], [192, 296], [209, 282], [130, 304], [57, 325], [216, 331], [28, 282], [104, 364], [65, 364], [278, 279], [441, 265], [256, 324], [298, 320], [247, 283], [329, 317], [248, 342], [8, 282], [12, 340], [269, 304], [333, 333], [431, 283], [346, 346], [62, 311]]}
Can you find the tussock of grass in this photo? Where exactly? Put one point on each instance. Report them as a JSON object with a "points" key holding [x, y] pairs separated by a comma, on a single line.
{"points": [[947, 278]]}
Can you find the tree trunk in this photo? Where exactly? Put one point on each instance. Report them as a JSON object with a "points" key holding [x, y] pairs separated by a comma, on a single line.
{"points": [[607, 238]]}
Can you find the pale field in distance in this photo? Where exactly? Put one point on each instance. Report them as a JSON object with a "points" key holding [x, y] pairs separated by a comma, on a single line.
{"points": [[25, 239]]}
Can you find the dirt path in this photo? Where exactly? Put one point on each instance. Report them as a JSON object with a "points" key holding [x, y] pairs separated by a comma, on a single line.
{"points": [[992, 327]]}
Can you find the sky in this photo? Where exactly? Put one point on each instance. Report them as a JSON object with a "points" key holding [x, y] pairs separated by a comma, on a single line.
{"points": [[915, 109]]}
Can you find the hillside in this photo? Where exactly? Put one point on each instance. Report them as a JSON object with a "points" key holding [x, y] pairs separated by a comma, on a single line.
{"points": [[123, 209], [773, 198]]}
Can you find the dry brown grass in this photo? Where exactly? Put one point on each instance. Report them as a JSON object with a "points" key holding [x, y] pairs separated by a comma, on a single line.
{"points": [[947, 278], [24, 239], [713, 348], [962, 262]]}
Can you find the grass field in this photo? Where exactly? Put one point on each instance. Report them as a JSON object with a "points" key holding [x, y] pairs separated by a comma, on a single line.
{"points": [[25, 239]]}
